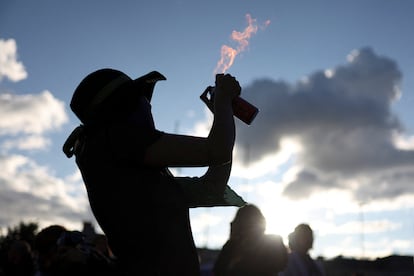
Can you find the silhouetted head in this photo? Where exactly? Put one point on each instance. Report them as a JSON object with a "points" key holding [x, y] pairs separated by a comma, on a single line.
{"points": [[45, 245], [108, 93], [19, 252], [248, 222], [301, 239], [47, 238], [18, 259]]}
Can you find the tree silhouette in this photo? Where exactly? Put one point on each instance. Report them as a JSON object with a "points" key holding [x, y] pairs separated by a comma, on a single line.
{"points": [[22, 231]]}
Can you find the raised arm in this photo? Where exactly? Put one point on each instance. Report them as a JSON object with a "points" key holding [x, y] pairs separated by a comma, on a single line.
{"points": [[189, 151], [222, 134]]}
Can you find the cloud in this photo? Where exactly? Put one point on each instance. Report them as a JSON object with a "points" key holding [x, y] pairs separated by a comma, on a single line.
{"points": [[29, 142], [30, 113], [32, 117], [343, 121], [9, 66], [30, 191]]}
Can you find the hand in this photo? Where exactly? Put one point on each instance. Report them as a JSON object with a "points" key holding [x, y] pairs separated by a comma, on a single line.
{"points": [[227, 86]]}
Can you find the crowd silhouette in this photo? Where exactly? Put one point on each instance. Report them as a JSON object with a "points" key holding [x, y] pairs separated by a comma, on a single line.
{"points": [[57, 251]]}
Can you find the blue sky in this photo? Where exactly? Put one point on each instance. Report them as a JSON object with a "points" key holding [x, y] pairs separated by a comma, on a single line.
{"points": [[333, 143]]}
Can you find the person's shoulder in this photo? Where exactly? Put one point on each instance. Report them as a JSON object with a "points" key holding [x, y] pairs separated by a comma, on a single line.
{"points": [[276, 249], [273, 239]]}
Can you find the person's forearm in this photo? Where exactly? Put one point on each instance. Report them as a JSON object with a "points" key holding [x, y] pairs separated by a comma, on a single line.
{"points": [[217, 177], [222, 134]]}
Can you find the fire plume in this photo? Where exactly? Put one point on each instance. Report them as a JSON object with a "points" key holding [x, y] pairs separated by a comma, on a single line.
{"points": [[228, 54]]}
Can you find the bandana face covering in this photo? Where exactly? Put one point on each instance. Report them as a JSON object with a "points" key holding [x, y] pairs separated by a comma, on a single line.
{"points": [[142, 115]]}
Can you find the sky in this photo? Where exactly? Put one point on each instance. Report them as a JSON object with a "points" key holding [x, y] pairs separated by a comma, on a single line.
{"points": [[332, 144]]}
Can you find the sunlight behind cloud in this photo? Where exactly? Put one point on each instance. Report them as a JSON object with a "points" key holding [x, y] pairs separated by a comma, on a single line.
{"points": [[289, 148], [329, 73], [352, 56], [403, 142], [283, 214], [204, 220]]}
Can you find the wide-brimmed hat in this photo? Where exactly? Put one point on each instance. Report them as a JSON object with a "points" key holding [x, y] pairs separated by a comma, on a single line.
{"points": [[98, 86]]}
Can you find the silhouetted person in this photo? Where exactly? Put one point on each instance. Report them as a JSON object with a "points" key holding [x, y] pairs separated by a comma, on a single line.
{"points": [[141, 207], [18, 259], [300, 263], [65, 253], [100, 243], [249, 251], [46, 249], [76, 256]]}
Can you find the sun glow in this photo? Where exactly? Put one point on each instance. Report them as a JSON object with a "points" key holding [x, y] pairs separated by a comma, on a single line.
{"points": [[403, 142], [282, 216], [318, 210]]}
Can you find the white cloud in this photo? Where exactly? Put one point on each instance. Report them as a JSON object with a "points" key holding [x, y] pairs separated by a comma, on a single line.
{"points": [[30, 113], [269, 163], [355, 227], [30, 192], [203, 220], [403, 142], [9, 66], [29, 142]]}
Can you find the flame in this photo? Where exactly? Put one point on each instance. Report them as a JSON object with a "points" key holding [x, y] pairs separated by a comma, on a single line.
{"points": [[228, 54]]}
